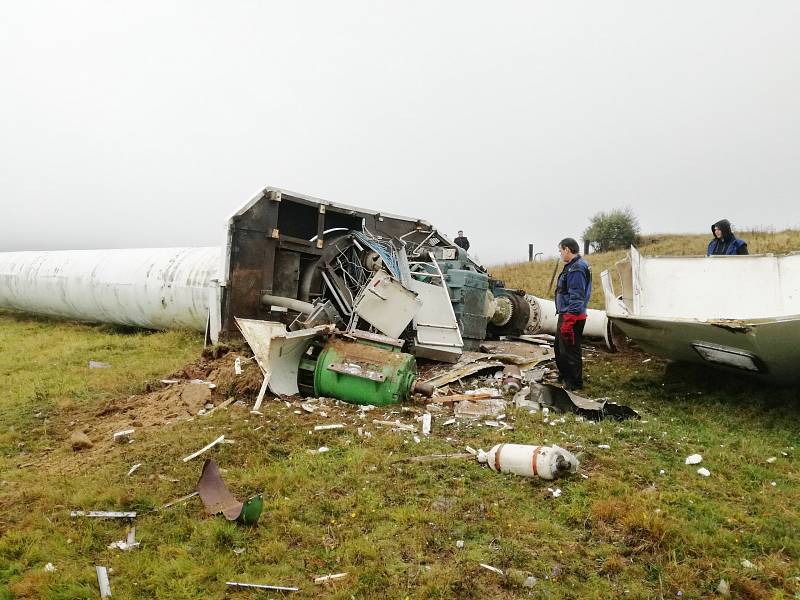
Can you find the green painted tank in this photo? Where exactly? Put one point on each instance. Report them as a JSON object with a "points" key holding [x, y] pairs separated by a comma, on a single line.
{"points": [[363, 371]]}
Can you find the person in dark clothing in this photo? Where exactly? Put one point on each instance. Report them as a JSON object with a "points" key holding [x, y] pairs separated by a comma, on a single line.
{"points": [[724, 241], [573, 290], [461, 241]]}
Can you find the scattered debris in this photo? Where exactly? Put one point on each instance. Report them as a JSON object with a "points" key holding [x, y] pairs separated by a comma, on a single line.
{"points": [[261, 586], [747, 564], [724, 589], [128, 543], [492, 569], [564, 401], [220, 406], [547, 462], [80, 441], [704, 472], [459, 544], [217, 499], [490, 407], [326, 427], [49, 568], [694, 459], [426, 423], [103, 514], [396, 425], [329, 578], [179, 500], [102, 581], [556, 492], [123, 437], [219, 440], [512, 379], [96, 364]]}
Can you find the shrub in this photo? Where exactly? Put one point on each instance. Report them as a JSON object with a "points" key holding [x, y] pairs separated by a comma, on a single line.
{"points": [[613, 230]]}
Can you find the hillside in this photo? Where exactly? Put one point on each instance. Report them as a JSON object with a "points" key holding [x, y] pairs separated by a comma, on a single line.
{"points": [[534, 277]]}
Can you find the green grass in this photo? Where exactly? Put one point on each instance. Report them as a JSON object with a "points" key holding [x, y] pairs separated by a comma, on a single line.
{"points": [[625, 531]]}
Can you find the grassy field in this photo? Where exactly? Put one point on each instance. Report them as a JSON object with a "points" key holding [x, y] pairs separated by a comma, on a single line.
{"points": [[635, 523]]}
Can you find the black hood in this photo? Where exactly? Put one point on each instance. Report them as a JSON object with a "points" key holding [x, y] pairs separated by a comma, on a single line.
{"points": [[725, 227]]}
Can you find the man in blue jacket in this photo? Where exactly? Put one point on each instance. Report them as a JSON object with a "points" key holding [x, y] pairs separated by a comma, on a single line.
{"points": [[724, 241], [573, 290]]}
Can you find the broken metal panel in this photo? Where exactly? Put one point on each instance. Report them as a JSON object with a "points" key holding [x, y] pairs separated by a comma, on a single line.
{"points": [[285, 353], [387, 305], [217, 499], [740, 312], [157, 288], [552, 395], [258, 335]]}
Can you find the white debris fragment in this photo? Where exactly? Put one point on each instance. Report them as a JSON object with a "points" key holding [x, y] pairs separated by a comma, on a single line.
{"points": [[327, 578], [724, 589], [459, 544], [662, 472], [102, 582], [704, 472], [323, 449], [133, 469], [773, 483], [308, 408], [169, 381], [237, 365], [492, 569], [123, 437], [96, 364], [747, 564], [426, 424], [219, 440], [694, 459], [603, 446], [326, 427], [529, 582], [49, 568], [238, 551], [449, 422], [556, 492], [772, 459], [416, 439]]}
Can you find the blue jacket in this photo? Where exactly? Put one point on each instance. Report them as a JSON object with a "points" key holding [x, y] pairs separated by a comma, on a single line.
{"points": [[574, 287], [734, 246]]}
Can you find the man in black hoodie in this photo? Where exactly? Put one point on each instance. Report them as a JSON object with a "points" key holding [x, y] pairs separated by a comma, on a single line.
{"points": [[724, 241]]}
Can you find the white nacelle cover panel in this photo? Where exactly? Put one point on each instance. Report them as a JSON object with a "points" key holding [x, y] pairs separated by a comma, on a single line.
{"points": [[718, 287]]}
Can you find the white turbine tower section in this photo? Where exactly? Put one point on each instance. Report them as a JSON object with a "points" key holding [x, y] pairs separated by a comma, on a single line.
{"points": [[157, 288]]}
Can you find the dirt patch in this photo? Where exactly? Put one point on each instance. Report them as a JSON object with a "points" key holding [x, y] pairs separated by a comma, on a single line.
{"points": [[182, 395]]}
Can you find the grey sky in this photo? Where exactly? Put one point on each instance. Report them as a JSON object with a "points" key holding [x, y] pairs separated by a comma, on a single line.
{"points": [[128, 124]]}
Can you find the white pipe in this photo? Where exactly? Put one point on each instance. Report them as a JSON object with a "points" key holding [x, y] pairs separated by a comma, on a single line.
{"points": [[290, 303], [544, 319], [157, 288]]}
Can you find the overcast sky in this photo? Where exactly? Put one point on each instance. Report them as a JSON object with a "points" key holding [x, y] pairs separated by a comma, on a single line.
{"points": [[134, 124]]}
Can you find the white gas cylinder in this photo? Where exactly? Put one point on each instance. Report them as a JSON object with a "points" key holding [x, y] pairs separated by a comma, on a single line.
{"points": [[547, 462]]}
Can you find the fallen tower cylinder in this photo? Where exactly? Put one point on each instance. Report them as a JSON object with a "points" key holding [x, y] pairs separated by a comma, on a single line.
{"points": [[156, 288]]}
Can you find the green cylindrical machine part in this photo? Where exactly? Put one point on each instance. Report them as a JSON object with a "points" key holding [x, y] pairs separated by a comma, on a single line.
{"points": [[363, 373]]}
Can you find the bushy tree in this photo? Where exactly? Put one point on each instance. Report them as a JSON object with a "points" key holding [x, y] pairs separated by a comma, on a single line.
{"points": [[616, 229]]}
